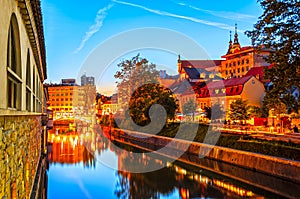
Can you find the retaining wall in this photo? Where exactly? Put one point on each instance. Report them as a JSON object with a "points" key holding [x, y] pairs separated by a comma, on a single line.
{"points": [[280, 167]]}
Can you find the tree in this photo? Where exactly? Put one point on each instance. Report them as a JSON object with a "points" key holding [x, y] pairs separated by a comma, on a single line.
{"points": [[215, 112], [273, 103], [139, 90], [254, 111], [133, 74], [148, 95], [190, 107], [278, 29], [239, 110]]}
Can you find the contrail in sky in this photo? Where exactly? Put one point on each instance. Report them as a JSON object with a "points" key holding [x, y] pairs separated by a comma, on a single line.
{"points": [[163, 13], [223, 14], [101, 14]]}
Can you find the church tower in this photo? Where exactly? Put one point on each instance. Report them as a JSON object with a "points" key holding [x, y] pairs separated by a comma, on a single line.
{"points": [[235, 46]]}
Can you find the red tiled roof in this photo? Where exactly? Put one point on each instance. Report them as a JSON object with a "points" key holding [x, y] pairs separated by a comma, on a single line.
{"points": [[229, 82], [200, 63], [228, 87], [257, 72]]}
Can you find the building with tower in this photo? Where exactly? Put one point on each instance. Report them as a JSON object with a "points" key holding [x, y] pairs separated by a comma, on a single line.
{"points": [[239, 60], [85, 80]]}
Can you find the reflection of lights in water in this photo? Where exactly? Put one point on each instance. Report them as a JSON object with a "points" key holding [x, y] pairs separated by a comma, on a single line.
{"points": [[218, 183], [169, 164], [182, 171], [159, 161], [234, 189]]}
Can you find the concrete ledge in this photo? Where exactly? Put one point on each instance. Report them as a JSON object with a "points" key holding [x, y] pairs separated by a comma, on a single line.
{"points": [[280, 167]]}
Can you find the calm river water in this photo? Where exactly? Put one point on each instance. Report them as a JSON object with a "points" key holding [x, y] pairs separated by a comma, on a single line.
{"points": [[88, 165]]}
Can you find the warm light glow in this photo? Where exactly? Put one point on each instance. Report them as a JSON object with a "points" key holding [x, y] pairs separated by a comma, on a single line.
{"points": [[231, 188]]}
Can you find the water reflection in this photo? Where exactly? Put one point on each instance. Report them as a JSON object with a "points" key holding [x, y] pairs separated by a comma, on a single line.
{"points": [[82, 149], [67, 147]]}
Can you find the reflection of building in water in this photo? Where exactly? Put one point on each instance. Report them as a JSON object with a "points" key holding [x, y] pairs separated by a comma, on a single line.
{"points": [[69, 149], [189, 184]]}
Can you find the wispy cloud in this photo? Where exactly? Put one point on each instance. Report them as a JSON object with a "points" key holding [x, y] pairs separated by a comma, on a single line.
{"points": [[80, 184], [101, 14], [163, 13], [223, 14]]}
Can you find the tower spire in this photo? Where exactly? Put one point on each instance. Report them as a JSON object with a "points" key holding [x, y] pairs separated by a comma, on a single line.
{"points": [[230, 42], [236, 36]]}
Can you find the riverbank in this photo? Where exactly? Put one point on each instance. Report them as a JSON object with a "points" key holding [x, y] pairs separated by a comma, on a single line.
{"points": [[250, 142], [174, 148]]}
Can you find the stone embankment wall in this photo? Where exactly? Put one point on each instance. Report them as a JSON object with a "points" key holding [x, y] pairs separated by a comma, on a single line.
{"points": [[280, 167], [20, 149]]}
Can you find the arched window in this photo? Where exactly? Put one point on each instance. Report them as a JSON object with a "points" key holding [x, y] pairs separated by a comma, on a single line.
{"points": [[14, 73]]}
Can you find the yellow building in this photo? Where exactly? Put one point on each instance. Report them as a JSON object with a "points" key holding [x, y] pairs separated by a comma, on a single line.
{"points": [[239, 60], [227, 91], [61, 100], [69, 99]]}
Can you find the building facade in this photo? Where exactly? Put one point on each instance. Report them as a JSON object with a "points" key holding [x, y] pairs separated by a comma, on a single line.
{"points": [[68, 100], [22, 99], [85, 80], [239, 60], [227, 91], [61, 99]]}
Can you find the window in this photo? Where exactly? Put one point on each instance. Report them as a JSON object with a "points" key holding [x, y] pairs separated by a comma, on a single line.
{"points": [[14, 73], [28, 83]]}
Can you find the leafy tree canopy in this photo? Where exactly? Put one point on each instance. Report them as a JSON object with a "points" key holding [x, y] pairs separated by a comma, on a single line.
{"points": [[279, 29], [145, 97], [139, 90], [215, 112], [189, 107], [239, 110]]}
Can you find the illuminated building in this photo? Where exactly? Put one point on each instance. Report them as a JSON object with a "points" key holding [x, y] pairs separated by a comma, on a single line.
{"points": [[67, 99], [61, 98], [227, 91], [239, 60], [197, 69]]}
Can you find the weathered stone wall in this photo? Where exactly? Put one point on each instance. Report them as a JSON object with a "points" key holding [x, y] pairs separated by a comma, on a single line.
{"points": [[20, 149]]}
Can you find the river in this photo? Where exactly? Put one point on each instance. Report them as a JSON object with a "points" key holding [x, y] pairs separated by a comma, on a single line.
{"points": [[88, 165]]}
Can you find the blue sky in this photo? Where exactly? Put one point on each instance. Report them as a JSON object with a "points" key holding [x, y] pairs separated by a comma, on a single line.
{"points": [[75, 28]]}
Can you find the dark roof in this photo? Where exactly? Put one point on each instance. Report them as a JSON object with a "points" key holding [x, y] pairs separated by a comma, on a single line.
{"points": [[194, 73], [200, 63], [181, 86]]}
